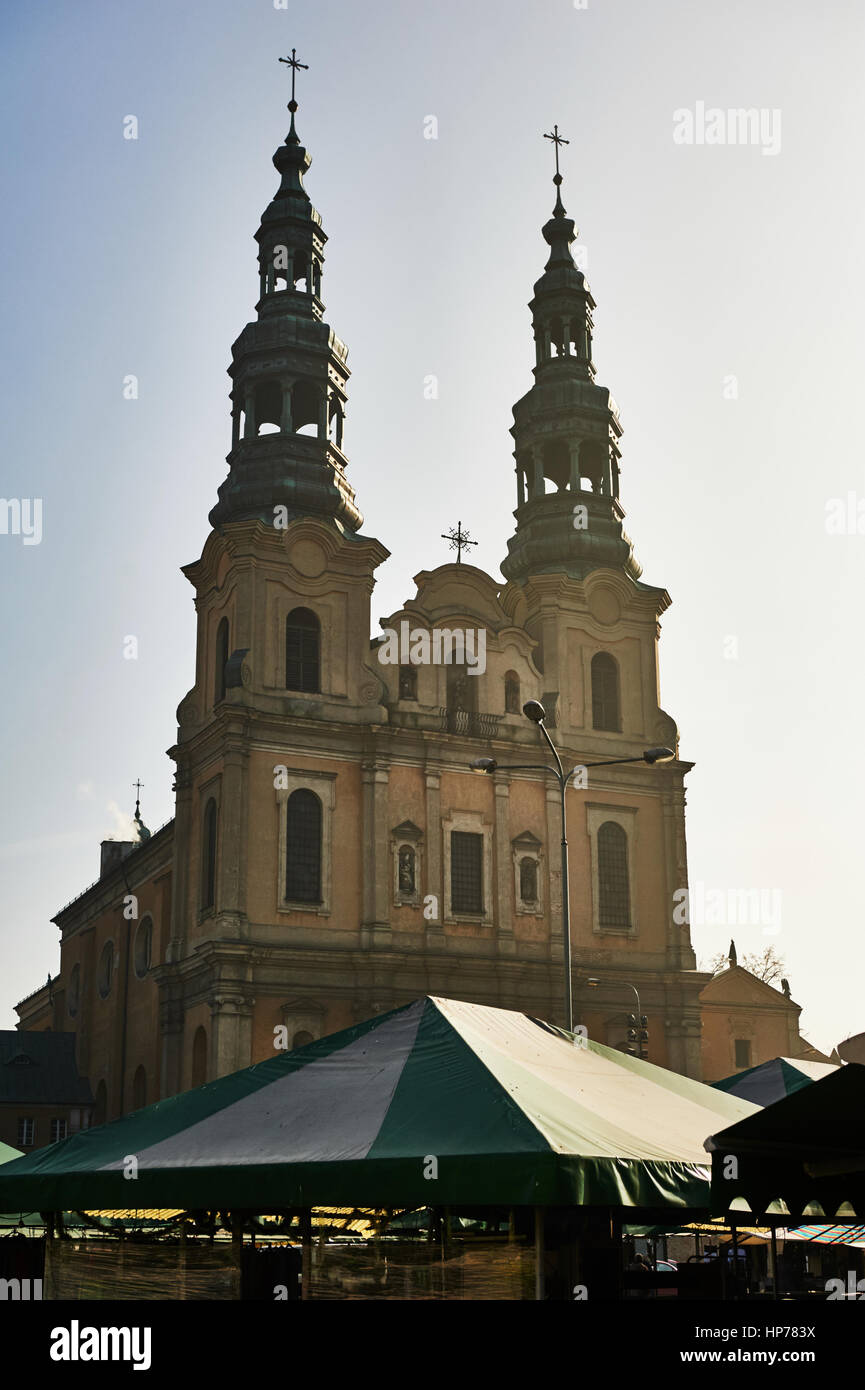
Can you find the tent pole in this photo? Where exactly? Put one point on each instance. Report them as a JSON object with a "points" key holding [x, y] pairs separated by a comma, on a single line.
{"points": [[236, 1249], [539, 1252], [734, 1241], [306, 1250], [774, 1263]]}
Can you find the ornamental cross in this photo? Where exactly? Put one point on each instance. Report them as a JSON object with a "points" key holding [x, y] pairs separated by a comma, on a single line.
{"points": [[460, 540], [557, 140], [294, 63], [137, 785]]}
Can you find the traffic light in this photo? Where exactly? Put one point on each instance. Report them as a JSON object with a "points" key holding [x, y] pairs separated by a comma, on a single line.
{"points": [[632, 1049], [644, 1037]]}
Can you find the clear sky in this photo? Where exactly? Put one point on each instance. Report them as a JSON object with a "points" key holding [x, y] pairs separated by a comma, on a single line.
{"points": [[729, 282]]}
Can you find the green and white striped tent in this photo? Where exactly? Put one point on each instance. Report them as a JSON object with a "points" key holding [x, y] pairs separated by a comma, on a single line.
{"points": [[440, 1102], [773, 1080]]}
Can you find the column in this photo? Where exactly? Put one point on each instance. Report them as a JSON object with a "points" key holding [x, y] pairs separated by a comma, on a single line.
{"points": [[322, 415], [231, 851], [566, 337], [377, 876], [285, 422], [230, 1033], [505, 944], [249, 413], [538, 471], [554, 863], [574, 450], [607, 475], [435, 936]]}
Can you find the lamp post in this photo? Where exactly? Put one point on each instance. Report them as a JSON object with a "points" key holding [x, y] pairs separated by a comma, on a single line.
{"points": [[535, 711], [641, 1036]]}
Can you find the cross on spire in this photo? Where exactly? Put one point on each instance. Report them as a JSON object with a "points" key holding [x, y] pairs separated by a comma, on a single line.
{"points": [[137, 785], [557, 140], [294, 63], [460, 540]]}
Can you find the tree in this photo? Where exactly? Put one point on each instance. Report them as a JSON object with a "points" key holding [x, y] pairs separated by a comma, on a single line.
{"points": [[767, 965]]}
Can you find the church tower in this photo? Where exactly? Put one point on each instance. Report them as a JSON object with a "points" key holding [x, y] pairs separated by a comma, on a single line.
{"points": [[283, 662], [566, 430], [289, 372], [575, 587]]}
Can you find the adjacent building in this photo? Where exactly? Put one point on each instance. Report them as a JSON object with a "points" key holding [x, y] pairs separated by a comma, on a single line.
{"points": [[43, 1098]]}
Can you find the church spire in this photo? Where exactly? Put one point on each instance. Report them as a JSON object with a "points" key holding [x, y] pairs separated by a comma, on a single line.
{"points": [[566, 428], [289, 369]]}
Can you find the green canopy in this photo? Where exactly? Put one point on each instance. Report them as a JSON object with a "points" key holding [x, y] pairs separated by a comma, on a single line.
{"points": [[440, 1102], [7, 1153], [771, 1081], [804, 1155]]}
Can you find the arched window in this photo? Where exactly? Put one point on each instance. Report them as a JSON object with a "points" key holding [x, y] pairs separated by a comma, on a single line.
{"points": [[303, 847], [408, 682], [139, 1089], [557, 465], [529, 880], [268, 407], [593, 467], [73, 994], [208, 855], [199, 1057], [306, 405], [614, 907], [512, 692], [605, 692], [100, 1104], [106, 970], [221, 660], [299, 275], [302, 1039], [143, 947], [302, 651]]}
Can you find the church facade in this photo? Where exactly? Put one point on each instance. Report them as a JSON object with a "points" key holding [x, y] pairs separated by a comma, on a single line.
{"points": [[333, 854]]}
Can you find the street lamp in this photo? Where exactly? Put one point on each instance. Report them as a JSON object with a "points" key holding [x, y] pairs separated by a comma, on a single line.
{"points": [[534, 710], [640, 1021]]}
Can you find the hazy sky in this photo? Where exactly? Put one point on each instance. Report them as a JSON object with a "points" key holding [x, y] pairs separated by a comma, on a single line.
{"points": [[729, 282]]}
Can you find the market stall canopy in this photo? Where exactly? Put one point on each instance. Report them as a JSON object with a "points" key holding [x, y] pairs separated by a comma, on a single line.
{"points": [[439, 1101], [7, 1153], [773, 1080], [803, 1156]]}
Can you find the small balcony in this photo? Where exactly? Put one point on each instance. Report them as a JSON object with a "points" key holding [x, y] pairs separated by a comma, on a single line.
{"points": [[470, 723]]}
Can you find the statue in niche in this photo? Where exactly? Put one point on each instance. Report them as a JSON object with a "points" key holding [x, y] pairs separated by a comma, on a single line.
{"points": [[529, 880], [405, 875], [407, 683]]}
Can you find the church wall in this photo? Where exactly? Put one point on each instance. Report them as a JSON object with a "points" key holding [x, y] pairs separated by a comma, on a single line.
{"points": [[736, 1005]]}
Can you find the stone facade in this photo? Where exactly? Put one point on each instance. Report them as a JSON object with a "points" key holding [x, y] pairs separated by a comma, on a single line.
{"points": [[332, 854]]}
